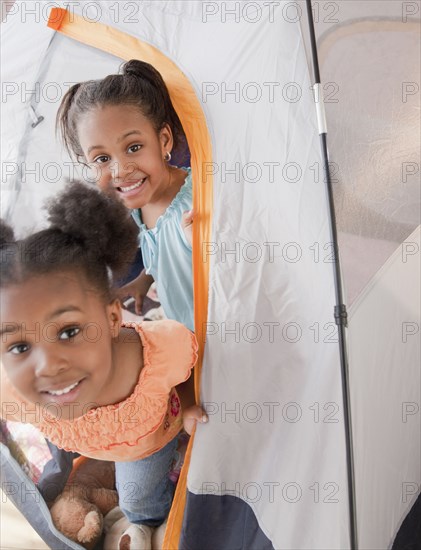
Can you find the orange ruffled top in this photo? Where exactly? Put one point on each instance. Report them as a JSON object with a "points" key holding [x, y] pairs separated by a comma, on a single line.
{"points": [[134, 428]]}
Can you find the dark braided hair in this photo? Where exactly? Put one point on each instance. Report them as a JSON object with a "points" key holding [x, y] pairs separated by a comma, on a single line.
{"points": [[140, 85], [89, 231]]}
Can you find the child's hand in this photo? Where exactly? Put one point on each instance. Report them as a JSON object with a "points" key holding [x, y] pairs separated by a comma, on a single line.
{"points": [[191, 416], [138, 288], [187, 224]]}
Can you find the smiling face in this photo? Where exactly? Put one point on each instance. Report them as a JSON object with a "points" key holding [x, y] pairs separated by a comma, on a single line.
{"points": [[57, 342], [127, 153]]}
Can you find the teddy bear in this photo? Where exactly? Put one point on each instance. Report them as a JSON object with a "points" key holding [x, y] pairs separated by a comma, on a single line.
{"points": [[87, 497]]}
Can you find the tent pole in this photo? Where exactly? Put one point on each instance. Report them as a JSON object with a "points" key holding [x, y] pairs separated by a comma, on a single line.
{"points": [[340, 312]]}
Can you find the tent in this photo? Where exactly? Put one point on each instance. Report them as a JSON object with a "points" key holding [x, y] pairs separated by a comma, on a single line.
{"points": [[269, 470]]}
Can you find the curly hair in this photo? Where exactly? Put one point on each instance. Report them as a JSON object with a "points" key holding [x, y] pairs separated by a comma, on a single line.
{"points": [[140, 85], [89, 231]]}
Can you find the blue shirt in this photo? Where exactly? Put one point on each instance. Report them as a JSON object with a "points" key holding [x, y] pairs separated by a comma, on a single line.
{"points": [[167, 256]]}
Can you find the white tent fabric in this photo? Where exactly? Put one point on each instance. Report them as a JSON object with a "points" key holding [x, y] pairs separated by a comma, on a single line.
{"points": [[370, 60], [271, 377], [387, 434]]}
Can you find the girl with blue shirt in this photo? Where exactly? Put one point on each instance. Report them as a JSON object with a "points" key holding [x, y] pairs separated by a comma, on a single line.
{"points": [[125, 127]]}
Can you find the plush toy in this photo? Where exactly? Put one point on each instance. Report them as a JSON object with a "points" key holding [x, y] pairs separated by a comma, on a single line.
{"points": [[88, 496]]}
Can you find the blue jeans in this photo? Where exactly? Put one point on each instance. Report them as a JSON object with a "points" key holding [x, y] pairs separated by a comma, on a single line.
{"points": [[145, 491]]}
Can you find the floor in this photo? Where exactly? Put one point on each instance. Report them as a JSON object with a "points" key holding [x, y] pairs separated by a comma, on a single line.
{"points": [[15, 531]]}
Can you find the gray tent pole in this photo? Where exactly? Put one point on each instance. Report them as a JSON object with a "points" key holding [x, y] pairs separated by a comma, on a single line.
{"points": [[340, 312]]}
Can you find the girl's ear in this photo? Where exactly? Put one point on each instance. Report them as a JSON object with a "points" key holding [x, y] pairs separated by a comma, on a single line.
{"points": [[115, 317], [166, 140]]}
